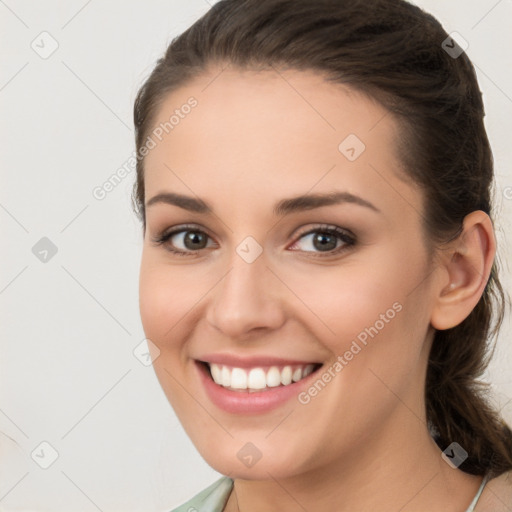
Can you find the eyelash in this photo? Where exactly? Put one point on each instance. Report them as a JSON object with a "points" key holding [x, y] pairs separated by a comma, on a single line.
{"points": [[348, 239]]}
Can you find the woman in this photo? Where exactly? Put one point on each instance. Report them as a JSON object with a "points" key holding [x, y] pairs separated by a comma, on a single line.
{"points": [[318, 277]]}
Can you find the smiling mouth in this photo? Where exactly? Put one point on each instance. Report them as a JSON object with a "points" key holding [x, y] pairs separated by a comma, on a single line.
{"points": [[258, 378]]}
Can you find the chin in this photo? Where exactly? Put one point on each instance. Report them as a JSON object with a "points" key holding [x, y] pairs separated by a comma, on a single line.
{"points": [[250, 461]]}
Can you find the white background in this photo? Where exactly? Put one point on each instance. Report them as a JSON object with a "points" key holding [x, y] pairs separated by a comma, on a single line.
{"points": [[68, 375]]}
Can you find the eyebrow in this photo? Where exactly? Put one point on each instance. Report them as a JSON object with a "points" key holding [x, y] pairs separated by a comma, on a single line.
{"points": [[281, 208]]}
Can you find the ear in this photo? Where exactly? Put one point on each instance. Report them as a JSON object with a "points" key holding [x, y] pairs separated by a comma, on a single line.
{"points": [[467, 263]]}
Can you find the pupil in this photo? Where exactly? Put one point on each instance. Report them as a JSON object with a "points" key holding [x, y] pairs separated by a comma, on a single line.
{"points": [[194, 238], [323, 242]]}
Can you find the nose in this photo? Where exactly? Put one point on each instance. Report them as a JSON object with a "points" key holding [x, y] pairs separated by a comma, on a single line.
{"points": [[248, 299]]}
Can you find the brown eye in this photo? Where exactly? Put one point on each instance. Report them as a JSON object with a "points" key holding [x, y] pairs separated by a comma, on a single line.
{"points": [[184, 241], [194, 240], [325, 240]]}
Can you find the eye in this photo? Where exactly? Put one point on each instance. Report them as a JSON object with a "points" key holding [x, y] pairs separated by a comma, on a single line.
{"points": [[189, 240], [183, 241], [326, 239]]}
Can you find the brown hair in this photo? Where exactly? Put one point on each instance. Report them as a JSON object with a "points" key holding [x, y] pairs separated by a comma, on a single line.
{"points": [[391, 51]]}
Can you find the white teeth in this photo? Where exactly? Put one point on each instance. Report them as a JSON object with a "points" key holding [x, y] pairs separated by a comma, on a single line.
{"points": [[225, 376], [216, 373], [238, 379], [258, 378], [308, 370], [297, 374], [286, 375], [273, 377]]}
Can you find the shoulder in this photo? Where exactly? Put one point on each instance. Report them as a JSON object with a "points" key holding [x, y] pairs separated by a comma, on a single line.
{"points": [[211, 499], [497, 495]]}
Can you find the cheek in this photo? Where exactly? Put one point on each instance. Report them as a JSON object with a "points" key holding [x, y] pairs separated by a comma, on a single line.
{"points": [[371, 313], [167, 294], [162, 304], [153, 298], [369, 293], [161, 307], [340, 302]]}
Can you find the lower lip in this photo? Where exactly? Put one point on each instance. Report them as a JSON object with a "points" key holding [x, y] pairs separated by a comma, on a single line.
{"points": [[256, 402]]}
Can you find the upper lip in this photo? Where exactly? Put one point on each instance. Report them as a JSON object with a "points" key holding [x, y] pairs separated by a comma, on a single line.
{"points": [[250, 362]]}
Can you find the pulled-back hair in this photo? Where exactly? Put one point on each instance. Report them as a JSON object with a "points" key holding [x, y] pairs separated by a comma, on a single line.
{"points": [[393, 52]]}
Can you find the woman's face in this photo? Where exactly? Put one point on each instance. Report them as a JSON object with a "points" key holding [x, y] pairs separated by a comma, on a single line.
{"points": [[266, 290]]}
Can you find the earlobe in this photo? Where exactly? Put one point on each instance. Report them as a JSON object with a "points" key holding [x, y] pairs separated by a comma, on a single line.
{"points": [[467, 263]]}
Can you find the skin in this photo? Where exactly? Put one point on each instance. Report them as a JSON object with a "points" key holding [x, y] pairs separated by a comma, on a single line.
{"points": [[362, 443]]}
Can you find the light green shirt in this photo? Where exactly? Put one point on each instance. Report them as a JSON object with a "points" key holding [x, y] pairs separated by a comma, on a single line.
{"points": [[211, 499], [215, 497]]}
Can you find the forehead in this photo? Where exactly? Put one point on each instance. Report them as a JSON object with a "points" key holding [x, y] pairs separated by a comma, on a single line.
{"points": [[258, 131]]}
